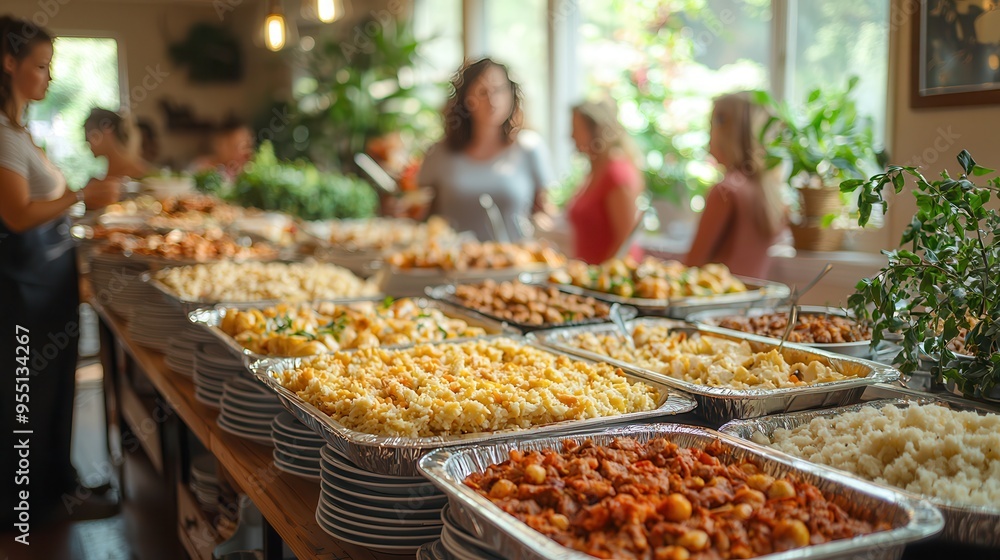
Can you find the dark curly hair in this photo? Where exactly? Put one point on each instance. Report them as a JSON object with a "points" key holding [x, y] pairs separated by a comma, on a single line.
{"points": [[457, 117], [17, 38]]}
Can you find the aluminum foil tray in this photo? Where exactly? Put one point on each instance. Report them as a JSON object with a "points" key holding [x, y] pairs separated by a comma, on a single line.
{"points": [[971, 525], [210, 319], [912, 519], [721, 404], [193, 305], [446, 293], [414, 281], [399, 455], [760, 293], [860, 349]]}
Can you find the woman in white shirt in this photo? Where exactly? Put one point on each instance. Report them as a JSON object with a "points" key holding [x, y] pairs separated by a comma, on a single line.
{"points": [[39, 293], [485, 151]]}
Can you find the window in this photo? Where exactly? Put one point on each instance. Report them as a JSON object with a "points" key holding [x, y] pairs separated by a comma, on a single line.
{"points": [[829, 42], [84, 76], [664, 62], [516, 35]]}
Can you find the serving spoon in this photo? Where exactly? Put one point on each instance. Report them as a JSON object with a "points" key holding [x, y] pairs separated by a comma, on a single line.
{"points": [[793, 302], [496, 218], [615, 314]]}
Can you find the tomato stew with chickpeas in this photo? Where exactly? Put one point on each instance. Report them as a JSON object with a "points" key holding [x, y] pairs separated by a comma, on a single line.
{"points": [[662, 502]]}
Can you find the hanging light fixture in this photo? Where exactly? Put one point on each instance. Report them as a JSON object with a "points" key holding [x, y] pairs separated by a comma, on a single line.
{"points": [[324, 11], [329, 11], [275, 32]]}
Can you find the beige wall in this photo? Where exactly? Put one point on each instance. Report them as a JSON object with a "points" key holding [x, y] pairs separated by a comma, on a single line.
{"points": [[932, 136], [144, 29]]}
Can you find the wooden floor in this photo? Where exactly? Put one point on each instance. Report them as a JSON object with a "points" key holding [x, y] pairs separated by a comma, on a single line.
{"points": [[135, 533]]}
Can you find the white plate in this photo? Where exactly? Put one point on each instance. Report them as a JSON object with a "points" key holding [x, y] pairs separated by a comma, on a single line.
{"points": [[226, 427], [389, 487], [297, 441], [360, 516], [383, 527], [235, 421], [380, 512], [250, 410], [206, 400], [303, 462], [295, 471], [291, 425], [350, 470], [295, 448], [379, 543], [347, 491]]}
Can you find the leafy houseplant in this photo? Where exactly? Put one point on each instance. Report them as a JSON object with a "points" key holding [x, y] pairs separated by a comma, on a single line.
{"points": [[942, 281], [825, 142], [299, 189], [358, 90]]}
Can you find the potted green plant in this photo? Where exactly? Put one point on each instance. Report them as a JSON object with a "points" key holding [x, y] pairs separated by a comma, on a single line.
{"points": [[824, 142], [939, 290]]}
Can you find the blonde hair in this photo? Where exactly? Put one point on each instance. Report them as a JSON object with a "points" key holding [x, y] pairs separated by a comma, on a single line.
{"points": [[609, 136], [738, 122]]}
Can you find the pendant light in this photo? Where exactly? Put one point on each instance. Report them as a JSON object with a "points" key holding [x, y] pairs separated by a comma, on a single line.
{"points": [[323, 11], [329, 11], [275, 30]]}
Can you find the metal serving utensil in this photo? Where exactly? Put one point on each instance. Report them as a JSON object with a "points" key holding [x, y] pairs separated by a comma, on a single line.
{"points": [[615, 314], [496, 218], [793, 304]]}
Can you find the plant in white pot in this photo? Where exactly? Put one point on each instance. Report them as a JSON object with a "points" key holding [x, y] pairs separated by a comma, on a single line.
{"points": [[824, 142]]}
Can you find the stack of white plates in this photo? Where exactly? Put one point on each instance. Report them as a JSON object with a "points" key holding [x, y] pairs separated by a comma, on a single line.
{"points": [[388, 514], [248, 410], [117, 283], [213, 367], [296, 447], [153, 326], [180, 355], [460, 544], [205, 482]]}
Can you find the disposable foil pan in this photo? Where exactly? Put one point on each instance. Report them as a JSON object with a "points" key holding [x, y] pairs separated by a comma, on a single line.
{"points": [[860, 349], [760, 293], [414, 281], [211, 318], [721, 404], [912, 519], [971, 525], [193, 305], [399, 455], [446, 293]]}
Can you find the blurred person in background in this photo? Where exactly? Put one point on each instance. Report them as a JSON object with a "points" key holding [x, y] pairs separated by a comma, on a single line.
{"points": [[232, 148], [107, 136], [744, 213], [149, 142], [39, 289], [603, 213], [486, 151]]}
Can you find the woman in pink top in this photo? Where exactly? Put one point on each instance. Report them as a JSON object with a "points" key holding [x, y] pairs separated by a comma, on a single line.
{"points": [[744, 212], [603, 213]]}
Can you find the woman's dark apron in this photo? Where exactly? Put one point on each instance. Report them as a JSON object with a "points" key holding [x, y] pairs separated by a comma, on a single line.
{"points": [[39, 291]]}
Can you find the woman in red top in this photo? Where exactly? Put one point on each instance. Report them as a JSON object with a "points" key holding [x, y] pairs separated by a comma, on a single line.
{"points": [[744, 213], [603, 213]]}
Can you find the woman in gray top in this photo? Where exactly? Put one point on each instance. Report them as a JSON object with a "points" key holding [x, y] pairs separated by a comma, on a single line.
{"points": [[485, 151], [39, 293]]}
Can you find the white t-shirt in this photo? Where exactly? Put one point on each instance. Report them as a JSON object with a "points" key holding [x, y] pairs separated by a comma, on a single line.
{"points": [[19, 154], [512, 178]]}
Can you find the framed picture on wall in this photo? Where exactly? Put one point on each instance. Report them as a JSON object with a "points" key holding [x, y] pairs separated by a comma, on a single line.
{"points": [[956, 53]]}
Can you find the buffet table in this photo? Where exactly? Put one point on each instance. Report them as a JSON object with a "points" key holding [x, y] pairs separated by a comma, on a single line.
{"points": [[287, 503]]}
